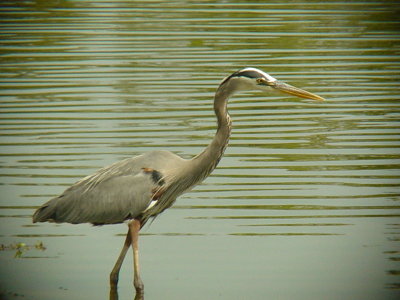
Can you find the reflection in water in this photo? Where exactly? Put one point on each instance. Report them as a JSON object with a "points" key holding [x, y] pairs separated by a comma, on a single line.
{"points": [[114, 294], [86, 83]]}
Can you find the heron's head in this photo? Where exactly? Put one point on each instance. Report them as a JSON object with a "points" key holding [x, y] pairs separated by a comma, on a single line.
{"points": [[249, 79]]}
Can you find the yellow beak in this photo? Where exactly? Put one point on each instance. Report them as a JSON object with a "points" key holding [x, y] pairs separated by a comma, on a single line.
{"points": [[289, 89]]}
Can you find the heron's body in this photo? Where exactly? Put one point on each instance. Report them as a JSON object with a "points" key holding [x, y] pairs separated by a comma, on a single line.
{"points": [[134, 188], [142, 187], [121, 191]]}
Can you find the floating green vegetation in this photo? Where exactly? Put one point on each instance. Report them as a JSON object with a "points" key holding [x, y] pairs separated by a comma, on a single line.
{"points": [[21, 248]]}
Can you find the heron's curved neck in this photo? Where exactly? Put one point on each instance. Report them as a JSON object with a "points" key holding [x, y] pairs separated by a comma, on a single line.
{"points": [[207, 160]]}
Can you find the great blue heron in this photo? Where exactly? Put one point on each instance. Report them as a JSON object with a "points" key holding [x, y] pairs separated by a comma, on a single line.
{"points": [[141, 187]]}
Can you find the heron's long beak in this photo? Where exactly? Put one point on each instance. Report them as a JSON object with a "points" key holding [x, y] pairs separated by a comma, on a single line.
{"points": [[289, 89]]}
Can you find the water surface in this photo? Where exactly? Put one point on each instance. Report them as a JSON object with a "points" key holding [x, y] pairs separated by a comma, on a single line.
{"points": [[305, 202]]}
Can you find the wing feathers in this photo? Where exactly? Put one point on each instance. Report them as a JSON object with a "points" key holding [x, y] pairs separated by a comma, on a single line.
{"points": [[122, 190], [106, 202]]}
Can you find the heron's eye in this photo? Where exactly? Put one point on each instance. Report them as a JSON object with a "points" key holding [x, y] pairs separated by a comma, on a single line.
{"points": [[260, 81], [266, 82]]}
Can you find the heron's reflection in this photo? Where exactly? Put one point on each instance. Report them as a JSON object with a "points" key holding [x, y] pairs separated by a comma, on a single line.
{"points": [[114, 294]]}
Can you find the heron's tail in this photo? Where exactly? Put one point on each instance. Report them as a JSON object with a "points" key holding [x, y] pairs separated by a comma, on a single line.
{"points": [[44, 213]]}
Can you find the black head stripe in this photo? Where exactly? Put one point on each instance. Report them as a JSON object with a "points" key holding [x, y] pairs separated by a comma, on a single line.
{"points": [[243, 73], [249, 73]]}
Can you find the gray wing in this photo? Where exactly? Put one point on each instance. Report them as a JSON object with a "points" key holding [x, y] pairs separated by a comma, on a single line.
{"points": [[113, 194]]}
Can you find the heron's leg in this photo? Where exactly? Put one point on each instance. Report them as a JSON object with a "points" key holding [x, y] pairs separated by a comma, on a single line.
{"points": [[134, 227], [115, 271]]}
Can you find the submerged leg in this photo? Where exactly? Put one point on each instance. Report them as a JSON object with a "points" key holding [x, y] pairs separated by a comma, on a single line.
{"points": [[115, 271], [134, 228]]}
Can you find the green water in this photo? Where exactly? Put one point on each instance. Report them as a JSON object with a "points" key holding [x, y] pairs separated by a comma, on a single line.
{"points": [[305, 202]]}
